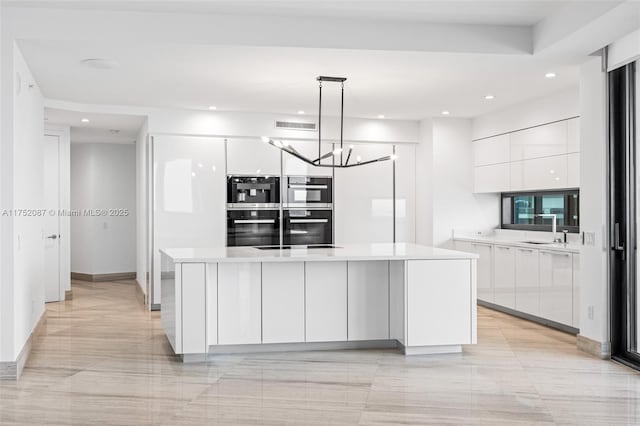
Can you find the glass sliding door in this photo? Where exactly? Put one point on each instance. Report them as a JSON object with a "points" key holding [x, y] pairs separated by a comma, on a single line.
{"points": [[624, 186]]}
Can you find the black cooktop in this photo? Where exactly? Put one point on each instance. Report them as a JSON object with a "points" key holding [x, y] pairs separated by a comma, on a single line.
{"points": [[318, 246]]}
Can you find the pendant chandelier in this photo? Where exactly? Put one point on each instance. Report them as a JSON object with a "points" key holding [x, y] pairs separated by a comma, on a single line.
{"points": [[340, 160]]}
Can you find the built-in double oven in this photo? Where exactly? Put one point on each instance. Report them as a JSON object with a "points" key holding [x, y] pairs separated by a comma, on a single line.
{"points": [[253, 210], [307, 210], [262, 211]]}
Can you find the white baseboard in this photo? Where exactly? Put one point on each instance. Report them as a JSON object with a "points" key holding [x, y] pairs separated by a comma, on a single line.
{"points": [[13, 369]]}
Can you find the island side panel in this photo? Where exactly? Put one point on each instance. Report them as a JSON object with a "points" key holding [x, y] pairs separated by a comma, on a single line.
{"points": [[212, 304], [368, 300], [170, 315], [326, 301], [474, 305], [439, 302], [397, 290]]}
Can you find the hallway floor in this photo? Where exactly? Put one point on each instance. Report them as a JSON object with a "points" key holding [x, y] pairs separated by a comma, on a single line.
{"points": [[103, 359]]}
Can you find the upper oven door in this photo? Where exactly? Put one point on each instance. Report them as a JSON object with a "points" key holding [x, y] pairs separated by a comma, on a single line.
{"points": [[307, 227], [308, 191], [253, 191]]}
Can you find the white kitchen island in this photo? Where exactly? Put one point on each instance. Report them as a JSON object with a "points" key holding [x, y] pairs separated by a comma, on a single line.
{"points": [[421, 300]]}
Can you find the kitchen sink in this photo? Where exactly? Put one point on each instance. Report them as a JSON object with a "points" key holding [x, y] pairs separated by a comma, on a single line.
{"points": [[537, 242]]}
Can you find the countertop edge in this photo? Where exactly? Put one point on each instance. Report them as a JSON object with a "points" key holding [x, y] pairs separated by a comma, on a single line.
{"points": [[547, 247]]}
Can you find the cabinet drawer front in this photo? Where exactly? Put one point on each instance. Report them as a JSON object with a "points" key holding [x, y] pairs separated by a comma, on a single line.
{"points": [[493, 150], [494, 178], [541, 141]]}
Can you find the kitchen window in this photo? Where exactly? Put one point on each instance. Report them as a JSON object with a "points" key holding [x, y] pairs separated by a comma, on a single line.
{"points": [[532, 211]]}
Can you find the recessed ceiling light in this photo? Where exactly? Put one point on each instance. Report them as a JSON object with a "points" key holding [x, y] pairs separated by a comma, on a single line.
{"points": [[550, 74], [212, 108], [445, 112], [489, 97], [100, 63], [85, 120], [380, 116], [301, 112]]}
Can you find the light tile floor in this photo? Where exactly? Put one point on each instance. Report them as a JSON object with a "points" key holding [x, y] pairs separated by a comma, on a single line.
{"points": [[103, 359]]}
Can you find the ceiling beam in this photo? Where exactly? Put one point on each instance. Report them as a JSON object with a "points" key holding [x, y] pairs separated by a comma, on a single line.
{"points": [[307, 32]]}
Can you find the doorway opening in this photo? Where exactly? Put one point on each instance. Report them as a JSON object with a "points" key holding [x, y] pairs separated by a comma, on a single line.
{"points": [[97, 197]]}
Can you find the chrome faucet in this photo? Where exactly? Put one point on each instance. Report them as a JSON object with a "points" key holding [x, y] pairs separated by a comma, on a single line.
{"points": [[554, 225]]}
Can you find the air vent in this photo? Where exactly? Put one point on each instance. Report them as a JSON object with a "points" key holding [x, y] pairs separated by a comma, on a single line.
{"points": [[292, 125]]}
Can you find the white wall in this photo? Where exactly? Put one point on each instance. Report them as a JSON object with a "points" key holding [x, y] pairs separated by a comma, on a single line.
{"points": [[455, 206], [561, 105], [22, 290], [103, 176], [593, 201], [141, 208]]}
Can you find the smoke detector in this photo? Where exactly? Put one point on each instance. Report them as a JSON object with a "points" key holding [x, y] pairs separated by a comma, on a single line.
{"points": [[100, 63]]}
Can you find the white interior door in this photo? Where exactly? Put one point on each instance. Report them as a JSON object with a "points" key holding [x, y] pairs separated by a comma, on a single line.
{"points": [[51, 219]]}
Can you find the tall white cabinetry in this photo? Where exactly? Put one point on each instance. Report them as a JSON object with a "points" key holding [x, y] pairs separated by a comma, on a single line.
{"points": [[188, 196], [542, 157], [363, 202], [252, 157]]}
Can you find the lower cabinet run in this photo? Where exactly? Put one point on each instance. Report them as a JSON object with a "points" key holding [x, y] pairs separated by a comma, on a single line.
{"points": [[542, 283], [420, 306]]}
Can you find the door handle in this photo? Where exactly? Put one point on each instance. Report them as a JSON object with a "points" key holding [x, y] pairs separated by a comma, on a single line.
{"points": [[52, 236], [617, 245], [309, 220], [254, 221]]}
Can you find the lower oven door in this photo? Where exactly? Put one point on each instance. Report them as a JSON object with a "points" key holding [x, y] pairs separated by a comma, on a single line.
{"points": [[253, 227], [308, 227]]}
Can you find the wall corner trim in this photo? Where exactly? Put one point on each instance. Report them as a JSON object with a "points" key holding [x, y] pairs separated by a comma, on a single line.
{"points": [[600, 349]]}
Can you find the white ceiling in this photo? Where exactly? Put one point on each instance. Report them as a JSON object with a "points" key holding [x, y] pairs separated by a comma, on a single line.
{"points": [[426, 57], [505, 12], [101, 128], [400, 85]]}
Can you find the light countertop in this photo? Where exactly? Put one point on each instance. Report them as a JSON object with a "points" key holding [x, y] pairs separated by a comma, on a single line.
{"points": [[343, 252], [572, 248]]}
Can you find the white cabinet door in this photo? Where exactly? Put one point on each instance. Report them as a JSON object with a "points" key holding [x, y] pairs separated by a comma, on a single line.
{"points": [[573, 143], [326, 301], [405, 193], [291, 166], [485, 264], [363, 207], [556, 286], [252, 157], [516, 171], [239, 303], [492, 150], [368, 300], [573, 172], [576, 290], [545, 173], [484, 267], [527, 281], [438, 289], [540, 141], [283, 302], [504, 286], [189, 196], [493, 178]]}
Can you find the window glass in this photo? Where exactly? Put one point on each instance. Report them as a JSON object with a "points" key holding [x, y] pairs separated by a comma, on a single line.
{"points": [[538, 210]]}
